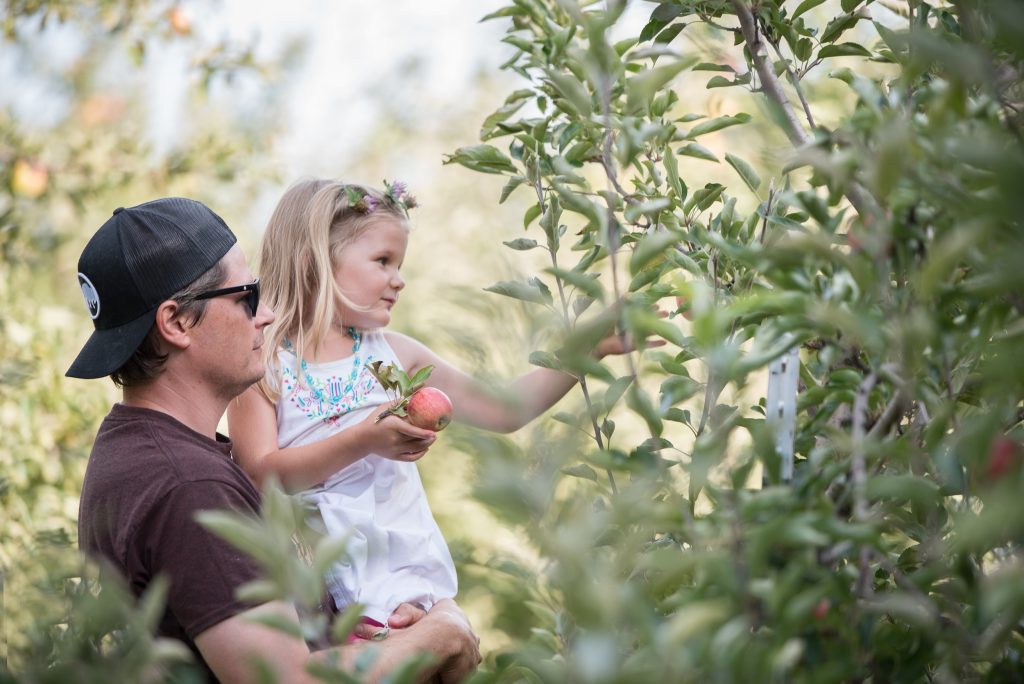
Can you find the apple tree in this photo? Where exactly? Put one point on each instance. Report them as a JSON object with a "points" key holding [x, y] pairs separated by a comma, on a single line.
{"points": [[880, 250]]}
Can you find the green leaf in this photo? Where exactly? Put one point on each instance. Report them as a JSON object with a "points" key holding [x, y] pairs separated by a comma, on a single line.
{"points": [[483, 158], [640, 403], [329, 551], [517, 289], [346, 622], [651, 29], [501, 114], [582, 471], [650, 246], [746, 172], [646, 323], [513, 183], [676, 389], [545, 360], [719, 82], [640, 89], [698, 151], [718, 124], [585, 282], [570, 88], [521, 244], [648, 207], [806, 5], [838, 26], [421, 375], [708, 66], [615, 390], [510, 11], [531, 213], [671, 165], [844, 50]]}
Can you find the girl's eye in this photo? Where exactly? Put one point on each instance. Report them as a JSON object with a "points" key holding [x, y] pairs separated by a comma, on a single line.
{"points": [[383, 261]]}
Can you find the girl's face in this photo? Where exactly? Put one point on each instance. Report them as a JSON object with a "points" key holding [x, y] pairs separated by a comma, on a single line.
{"points": [[367, 272]]}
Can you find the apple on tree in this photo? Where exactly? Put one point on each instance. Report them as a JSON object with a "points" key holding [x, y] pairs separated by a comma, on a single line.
{"points": [[425, 407]]}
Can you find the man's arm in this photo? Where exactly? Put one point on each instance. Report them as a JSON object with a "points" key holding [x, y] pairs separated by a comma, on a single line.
{"points": [[233, 646]]}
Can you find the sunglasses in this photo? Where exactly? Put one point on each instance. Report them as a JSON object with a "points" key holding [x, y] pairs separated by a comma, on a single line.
{"points": [[251, 290]]}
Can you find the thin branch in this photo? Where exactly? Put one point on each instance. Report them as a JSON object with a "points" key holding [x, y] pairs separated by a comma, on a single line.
{"points": [[769, 82], [565, 319], [893, 412], [767, 210], [860, 506], [796, 83], [861, 200]]}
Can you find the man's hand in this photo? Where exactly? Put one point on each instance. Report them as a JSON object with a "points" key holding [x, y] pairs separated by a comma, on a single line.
{"points": [[461, 650]]}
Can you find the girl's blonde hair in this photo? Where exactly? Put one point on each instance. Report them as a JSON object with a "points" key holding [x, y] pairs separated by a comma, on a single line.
{"points": [[310, 227]]}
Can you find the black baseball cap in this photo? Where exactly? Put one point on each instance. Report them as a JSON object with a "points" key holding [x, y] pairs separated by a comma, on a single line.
{"points": [[136, 260]]}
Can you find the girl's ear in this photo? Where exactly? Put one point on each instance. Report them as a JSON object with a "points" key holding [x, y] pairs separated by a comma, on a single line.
{"points": [[171, 327]]}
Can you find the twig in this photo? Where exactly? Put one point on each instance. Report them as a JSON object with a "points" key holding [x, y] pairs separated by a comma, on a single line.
{"points": [[769, 82], [860, 507], [767, 210], [565, 319], [892, 413], [796, 83], [861, 200]]}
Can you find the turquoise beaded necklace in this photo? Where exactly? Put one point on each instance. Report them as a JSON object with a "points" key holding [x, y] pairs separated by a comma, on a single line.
{"points": [[335, 390]]}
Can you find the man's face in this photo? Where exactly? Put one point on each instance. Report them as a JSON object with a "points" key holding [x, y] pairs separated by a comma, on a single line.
{"points": [[227, 342]]}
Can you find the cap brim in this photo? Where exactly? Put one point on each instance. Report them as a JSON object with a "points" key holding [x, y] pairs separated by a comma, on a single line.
{"points": [[108, 350]]}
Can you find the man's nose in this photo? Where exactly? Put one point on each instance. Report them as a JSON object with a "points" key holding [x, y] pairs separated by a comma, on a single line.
{"points": [[264, 315]]}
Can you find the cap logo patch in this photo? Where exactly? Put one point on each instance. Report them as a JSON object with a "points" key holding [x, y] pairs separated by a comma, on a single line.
{"points": [[92, 298]]}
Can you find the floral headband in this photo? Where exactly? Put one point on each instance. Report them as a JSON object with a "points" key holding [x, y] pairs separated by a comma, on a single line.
{"points": [[396, 193]]}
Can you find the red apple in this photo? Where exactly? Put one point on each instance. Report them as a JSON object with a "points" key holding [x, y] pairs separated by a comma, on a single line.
{"points": [[29, 178], [429, 408], [1003, 456], [821, 609], [179, 20], [681, 301]]}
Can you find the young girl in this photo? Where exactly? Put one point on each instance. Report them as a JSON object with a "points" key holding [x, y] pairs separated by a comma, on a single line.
{"points": [[330, 270]]}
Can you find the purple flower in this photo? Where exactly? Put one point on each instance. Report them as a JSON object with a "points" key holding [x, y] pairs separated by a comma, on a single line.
{"points": [[397, 190], [371, 203]]}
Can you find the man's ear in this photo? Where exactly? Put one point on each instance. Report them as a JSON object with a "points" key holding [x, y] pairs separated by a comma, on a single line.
{"points": [[172, 328]]}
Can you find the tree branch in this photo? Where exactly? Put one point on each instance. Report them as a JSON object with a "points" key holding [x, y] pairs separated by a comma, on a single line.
{"points": [[769, 82], [860, 478], [861, 200]]}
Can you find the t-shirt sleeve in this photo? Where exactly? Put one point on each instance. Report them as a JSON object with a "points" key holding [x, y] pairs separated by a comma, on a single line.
{"points": [[204, 569]]}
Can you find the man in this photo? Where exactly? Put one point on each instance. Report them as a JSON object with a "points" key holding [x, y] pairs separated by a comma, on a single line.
{"points": [[179, 328]]}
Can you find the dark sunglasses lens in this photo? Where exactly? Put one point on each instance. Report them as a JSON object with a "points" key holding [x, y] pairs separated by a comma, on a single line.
{"points": [[252, 298]]}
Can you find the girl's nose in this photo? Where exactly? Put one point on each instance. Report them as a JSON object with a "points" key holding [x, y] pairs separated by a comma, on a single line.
{"points": [[397, 281]]}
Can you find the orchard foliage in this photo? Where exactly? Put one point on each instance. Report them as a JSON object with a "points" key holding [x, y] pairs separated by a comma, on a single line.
{"points": [[882, 242], [72, 147], [886, 247]]}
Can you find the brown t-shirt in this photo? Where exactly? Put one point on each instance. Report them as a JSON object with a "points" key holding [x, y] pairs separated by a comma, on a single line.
{"points": [[147, 477]]}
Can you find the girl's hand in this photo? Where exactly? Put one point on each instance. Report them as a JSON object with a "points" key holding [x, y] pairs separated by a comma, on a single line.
{"points": [[395, 439], [622, 343], [405, 615]]}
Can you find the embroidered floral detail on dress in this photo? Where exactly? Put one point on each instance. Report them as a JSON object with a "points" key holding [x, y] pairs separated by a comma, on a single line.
{"points": [[330, 397], [333, 396]]}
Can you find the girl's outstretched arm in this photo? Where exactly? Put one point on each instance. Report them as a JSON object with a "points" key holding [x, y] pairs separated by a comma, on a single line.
{"points": [[252, 424], [499, 409]]}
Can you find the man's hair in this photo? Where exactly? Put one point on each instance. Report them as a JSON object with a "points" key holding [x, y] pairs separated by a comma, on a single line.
{"points": [[148, 362], [310, 228]]}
